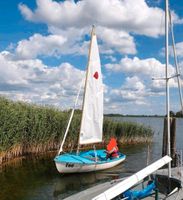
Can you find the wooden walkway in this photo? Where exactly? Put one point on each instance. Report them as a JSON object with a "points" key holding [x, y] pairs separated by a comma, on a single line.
{"points": [[92, 192]]}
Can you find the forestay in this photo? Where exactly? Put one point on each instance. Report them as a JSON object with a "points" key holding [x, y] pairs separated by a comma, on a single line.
{"points": [[92, 116]]}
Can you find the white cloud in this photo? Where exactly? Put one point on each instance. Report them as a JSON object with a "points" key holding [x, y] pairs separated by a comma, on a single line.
{"points": [[119, 41], [32, 81], [130, 98], [111, 58], [134, 83], [76, 42], [175, 18], [25, 77], [72, 41], [133, 90], [149, 67], [37, 44], [10, 72], [181, 68], [179, 49], [137, 96], [116, 20], [124, 15], [140, 85]]}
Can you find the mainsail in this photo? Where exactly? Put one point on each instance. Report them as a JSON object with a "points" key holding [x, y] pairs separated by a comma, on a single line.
{"points": [[92, 116]]}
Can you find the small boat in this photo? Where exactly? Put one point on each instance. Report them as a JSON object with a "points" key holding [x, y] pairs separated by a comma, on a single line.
{"points": [[86, 161], [91, 129]]}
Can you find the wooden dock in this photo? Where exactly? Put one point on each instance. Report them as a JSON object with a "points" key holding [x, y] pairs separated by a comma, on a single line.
{"points": [[92, 192]]}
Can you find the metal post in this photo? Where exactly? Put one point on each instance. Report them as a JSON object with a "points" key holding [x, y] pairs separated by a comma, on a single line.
{"points": [[167, 81], [95, 152], [156, 194], [181, 168]]}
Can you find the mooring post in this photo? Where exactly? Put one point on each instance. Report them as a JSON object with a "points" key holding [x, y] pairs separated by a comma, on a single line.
{"points": [[165, 141], [156, 194], [172, 139]]}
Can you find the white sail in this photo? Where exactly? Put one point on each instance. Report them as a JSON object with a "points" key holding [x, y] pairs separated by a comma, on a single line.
{"points": [[92, 116]]}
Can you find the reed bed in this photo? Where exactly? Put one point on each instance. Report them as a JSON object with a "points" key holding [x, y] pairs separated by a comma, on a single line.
{"points": [[127, 132], [27, 129]]}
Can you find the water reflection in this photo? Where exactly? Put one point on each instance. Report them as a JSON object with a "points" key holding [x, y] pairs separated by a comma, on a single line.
{"points": [[69, 184], [37, 178]]}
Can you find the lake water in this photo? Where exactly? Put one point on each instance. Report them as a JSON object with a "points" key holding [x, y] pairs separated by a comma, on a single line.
{"points": [[38, 179]]}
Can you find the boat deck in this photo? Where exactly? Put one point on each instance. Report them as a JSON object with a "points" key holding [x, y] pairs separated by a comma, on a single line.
{"points": [[86, 157]]}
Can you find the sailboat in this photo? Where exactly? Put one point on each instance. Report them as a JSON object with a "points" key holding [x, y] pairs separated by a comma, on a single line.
{"points": [[91, 128]]}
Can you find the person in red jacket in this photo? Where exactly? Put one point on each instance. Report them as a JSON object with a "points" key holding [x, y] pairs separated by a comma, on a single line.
{"points": [[112, 149]]}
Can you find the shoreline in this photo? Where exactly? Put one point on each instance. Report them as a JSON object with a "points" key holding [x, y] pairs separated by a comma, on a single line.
{"points": [[19, 151], [31, 129]]}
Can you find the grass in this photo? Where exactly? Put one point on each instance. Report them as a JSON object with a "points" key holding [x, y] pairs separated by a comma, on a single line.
{"points": [[26, 129]]}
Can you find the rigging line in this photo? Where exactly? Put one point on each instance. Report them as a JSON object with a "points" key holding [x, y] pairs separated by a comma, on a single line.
{"points": [[176, 61], [70, 119]]}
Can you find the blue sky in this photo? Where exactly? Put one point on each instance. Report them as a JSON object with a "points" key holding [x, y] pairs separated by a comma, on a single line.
{"points": [[44, 46]]}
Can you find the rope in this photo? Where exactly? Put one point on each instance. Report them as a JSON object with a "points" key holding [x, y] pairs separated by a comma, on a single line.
{"points": [[70, 119], [176, 62]]}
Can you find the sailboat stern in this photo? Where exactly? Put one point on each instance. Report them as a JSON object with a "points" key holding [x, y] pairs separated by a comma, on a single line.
{"points": [[67, 167], [72, 163]]}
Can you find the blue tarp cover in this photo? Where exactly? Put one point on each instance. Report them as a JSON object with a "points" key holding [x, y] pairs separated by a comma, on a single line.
{"points": [[135, 195]]}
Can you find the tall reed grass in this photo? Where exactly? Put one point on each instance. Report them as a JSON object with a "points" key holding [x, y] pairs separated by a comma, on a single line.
{"points": [[127, 132], [26, 129]]}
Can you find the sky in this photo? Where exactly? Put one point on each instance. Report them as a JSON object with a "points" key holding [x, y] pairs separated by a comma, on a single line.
{"points": [[44, 52]]}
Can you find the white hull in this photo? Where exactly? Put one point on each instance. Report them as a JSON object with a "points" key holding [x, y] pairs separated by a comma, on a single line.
{"points": [[79, 168]]}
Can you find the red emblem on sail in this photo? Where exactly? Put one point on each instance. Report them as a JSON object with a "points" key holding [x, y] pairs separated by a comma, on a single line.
{"points": [[96, 75]]}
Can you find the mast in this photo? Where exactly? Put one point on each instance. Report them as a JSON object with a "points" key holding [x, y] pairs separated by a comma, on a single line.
{"points": [[92, 33], [167, 80]]}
